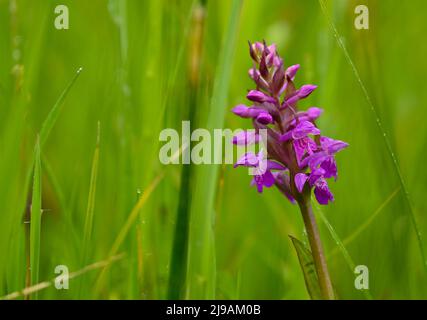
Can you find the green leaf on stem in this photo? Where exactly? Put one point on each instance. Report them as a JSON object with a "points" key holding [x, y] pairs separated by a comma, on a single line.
{"points": [[307, 265]]}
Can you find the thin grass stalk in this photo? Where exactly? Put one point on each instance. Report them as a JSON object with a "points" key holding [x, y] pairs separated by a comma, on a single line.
{"points": [[46, 284], [124, 231], [362, 227], [13, 136], [88, 227], [179, 257], [36, 213], [202, 263], [384, 135], [340, 245]]}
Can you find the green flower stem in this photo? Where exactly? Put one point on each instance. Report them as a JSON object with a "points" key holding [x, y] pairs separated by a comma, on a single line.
{"points": [[316, 247]]}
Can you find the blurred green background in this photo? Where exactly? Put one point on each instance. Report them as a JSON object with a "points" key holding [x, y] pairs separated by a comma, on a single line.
{"points": [[150, 64]]}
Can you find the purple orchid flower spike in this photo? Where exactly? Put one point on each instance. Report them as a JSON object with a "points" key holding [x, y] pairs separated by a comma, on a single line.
{"points": [[294, 139], [299, 159]]}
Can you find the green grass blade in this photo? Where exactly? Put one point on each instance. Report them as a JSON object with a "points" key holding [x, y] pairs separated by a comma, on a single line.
{"points": [[130, 221], [34, 289], [45, 130], [339, 243], [202, 267], [88, 226], [367, 223], [54, 113], [91, 199], [118, 12], [124, 231], [178, 269], [384, 135], [307, 266], [36, 213], [48, 124], [179, 257]]}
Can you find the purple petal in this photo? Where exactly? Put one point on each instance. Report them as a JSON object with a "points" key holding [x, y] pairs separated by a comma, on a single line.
{"points": [[239, 109], [245, 112], [306, 90], [265, 180], [272, 57], [258, 183], [300, 180], [268, 179], [303, 129], [258, 96], [272, 48], [286, 137], [259, 46], [292, 71], [315, 159], [290, 101], [265, 118], [313, 113], [290, 74], [299, 148], [256, 50], [302, 93], [337, 146], [246, 138], [247, 160], [332, 146], [330, 167], [310, 115], [254, 73], [259, 80], [277, 62], [322, 192], [315, 175], [304, 147], [272, 165]]}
